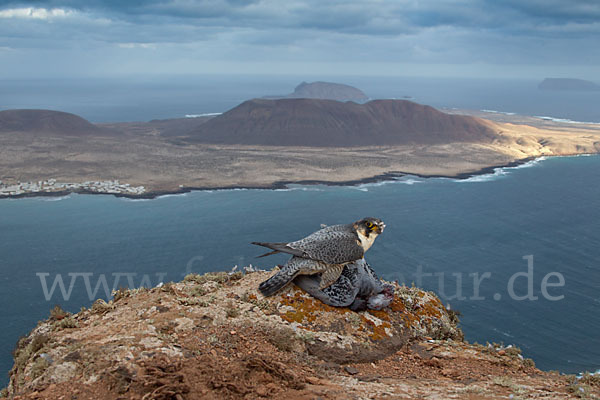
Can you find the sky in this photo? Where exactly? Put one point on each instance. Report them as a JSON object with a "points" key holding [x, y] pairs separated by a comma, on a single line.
{"points": [[446, 38]]}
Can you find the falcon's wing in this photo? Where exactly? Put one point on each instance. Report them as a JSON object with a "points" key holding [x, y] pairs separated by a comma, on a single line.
{"points": [[330, 275], [330, 246]]}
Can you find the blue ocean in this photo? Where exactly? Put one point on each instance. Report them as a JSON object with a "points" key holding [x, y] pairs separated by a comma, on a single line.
{"points": [[517, 252]]}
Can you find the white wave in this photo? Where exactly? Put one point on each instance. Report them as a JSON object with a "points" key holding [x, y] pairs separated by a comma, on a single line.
{"points": [[408, 181], [60, 198], [163, 196], [580, 375], [360, 188], [528, 164], [201, 115], [404, 180], [498, 173], [132, 200], [498, 112], [372, 184], [504, 334], [564, 120], [302, 188]]}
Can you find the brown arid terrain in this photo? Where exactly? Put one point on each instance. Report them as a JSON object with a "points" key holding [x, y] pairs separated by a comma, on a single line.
{"points": [[160, 156], [329, 123], [214, 336]]}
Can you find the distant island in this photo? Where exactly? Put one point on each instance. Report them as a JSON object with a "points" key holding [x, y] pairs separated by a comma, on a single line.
{"points": [[564, 84], [325, 91], [269, 144]]}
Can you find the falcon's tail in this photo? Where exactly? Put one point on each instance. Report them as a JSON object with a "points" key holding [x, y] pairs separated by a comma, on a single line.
{"points": [[278, 281], [278, 248], [269, 253]]}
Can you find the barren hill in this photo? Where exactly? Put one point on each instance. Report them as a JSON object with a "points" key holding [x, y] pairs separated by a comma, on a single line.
{"points": [[47, 122], [158, 127], [328, 123]]}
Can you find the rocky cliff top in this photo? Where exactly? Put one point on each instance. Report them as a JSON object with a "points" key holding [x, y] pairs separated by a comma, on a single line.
{"points": [[214, 336]]}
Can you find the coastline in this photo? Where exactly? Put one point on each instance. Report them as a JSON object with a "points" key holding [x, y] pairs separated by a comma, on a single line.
{"points": [[278, 185], [163, 167]]}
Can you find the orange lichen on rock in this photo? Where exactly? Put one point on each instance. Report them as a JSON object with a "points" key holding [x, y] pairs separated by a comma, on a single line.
{"points": [[412, 313], [306, 309], [378, 331], [381, 314], [397, 305]]}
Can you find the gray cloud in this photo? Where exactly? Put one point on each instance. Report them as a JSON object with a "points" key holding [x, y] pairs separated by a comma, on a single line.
{"points": [[186, 32]]}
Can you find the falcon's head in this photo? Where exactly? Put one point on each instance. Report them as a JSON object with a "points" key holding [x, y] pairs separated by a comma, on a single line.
{"points": [[369, 226]]}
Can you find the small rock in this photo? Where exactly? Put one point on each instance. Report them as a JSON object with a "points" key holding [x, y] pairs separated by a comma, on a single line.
{"points": [[369, 378], [331, 365], [63, 372], [433, 362], [262, 391], [502, 352], [350, 370], [73, 356], [47, 357], [313, 380]]}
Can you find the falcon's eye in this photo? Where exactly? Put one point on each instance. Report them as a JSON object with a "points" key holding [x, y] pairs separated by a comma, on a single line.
{"points": [[369, 224]]}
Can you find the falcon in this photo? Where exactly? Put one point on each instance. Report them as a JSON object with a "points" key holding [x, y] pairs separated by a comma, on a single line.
{"points": [[324, 252]]}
